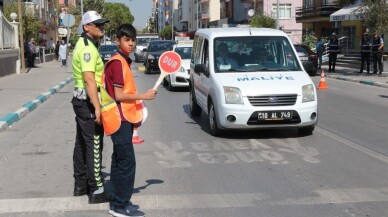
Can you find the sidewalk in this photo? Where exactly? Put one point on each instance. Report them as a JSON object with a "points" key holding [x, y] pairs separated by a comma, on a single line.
{"points": [[23, 93], [352, 75]]}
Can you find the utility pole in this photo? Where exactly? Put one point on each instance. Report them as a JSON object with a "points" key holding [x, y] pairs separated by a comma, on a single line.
{"points": [[172, 20], [23, 62], [277, 14]]}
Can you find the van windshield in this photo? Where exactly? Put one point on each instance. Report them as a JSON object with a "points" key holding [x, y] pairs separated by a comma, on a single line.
{"points": [[254, 53]]}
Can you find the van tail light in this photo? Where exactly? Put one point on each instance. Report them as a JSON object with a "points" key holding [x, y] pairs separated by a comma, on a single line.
{"points": [[313, 56]]}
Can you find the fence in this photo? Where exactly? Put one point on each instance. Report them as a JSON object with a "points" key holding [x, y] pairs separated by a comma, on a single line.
{"points": [[7, 34]]}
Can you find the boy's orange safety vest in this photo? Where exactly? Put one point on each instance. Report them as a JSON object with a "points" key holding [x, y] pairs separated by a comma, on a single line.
{"points": [[132, 110]]}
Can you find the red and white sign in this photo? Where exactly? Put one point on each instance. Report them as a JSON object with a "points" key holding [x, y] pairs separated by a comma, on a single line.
{"points": [[169, 63]]}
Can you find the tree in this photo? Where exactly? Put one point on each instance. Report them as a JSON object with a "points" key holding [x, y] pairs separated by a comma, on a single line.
{"points": [[166, 32], [94, 5], [117, 14], [375, 15], [263, 21], [31, 24], [309, 39]]}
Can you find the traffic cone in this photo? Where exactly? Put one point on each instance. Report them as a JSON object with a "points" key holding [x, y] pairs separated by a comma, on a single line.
{"points": [[322, 83], [135, 138]]}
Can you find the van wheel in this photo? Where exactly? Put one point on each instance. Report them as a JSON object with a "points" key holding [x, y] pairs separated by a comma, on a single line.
{"points": [[165, 81], [195, 110], [306, 131], [214, 130]]}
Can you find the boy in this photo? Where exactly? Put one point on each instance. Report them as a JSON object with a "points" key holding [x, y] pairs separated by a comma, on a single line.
{"points": [[120, 85]]}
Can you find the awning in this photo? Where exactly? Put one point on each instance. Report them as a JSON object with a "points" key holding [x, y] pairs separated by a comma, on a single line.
{"points": [[350, 12]]}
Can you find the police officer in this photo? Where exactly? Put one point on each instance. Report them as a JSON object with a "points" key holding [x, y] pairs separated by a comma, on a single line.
{"points": [[87, 71], [377, 49], [333, 51], [365, 46]]}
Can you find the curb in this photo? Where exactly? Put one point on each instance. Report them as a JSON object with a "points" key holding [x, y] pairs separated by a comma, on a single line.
{"points": [[11, 118], [366, 82]]}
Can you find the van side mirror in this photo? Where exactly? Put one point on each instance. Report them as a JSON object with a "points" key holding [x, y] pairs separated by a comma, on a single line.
{"points": [[145, 49], [201, 68]]}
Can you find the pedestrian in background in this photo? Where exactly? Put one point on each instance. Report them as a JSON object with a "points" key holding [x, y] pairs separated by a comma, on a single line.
{"points": [[377, 49], [333, 51], [365, 46], [320, 48], [120, 85], [87, 72], [31, 53], [63, 52], [57, 50]]}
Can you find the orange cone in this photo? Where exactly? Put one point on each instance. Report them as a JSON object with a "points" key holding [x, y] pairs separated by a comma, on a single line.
{"points": [[322, 83], [135, 138]]}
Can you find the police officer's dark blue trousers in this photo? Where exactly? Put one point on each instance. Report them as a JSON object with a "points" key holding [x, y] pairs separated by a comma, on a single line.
{"points": [[123, 168], [332, 61], [365, 56], [377, 60], [88, 147]]}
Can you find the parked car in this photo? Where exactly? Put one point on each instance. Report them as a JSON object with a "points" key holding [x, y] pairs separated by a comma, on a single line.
{"points": [[254, 91], [308, 58], [180, 78], [107, 51], [153, 52], [142, 42]]}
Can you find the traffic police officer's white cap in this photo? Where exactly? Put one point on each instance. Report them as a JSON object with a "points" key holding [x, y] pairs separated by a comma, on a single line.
{"points": [[93, 17], [333, 33]]}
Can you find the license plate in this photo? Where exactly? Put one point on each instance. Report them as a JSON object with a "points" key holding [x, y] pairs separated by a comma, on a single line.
{"points": [[304, 58], [274, 115]]}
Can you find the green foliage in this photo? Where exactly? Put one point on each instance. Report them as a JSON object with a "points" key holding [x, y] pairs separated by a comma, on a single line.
{"points": [[376, 15], [117, 14], [31, 23], [94, 5], [166, 32], [309, 39], [263, 21]]}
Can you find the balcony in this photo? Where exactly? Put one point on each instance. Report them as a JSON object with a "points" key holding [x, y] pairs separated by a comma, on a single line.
{"points": [[306, 13], [205, 16]]}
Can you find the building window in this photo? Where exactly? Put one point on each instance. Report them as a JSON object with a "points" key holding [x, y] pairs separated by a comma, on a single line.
{"points": [[284, 11]]}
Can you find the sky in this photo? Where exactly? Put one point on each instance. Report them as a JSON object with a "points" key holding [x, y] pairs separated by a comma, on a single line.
{"points": [[140, 9]]}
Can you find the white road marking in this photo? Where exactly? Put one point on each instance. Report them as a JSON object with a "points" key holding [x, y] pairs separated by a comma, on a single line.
{"points": [[195, 201], [354, 145], [340, 196]]}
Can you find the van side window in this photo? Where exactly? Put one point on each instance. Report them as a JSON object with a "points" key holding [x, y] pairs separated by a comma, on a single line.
{"points": [[196, 51], [205, 53]]}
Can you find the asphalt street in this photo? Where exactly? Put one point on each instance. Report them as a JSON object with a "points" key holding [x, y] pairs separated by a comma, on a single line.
{"points": [[341, 170]]}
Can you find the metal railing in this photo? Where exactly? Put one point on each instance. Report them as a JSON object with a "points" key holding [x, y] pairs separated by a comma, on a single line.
{"points": [[7, 33]]}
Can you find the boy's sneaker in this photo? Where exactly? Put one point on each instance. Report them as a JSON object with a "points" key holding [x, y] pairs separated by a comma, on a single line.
{"points": [[128, 211]]}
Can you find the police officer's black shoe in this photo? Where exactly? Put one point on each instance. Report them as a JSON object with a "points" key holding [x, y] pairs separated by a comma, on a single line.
{"points": [[98, 198], [80, 191]]}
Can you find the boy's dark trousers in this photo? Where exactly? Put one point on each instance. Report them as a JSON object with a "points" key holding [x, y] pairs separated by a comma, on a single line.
{"points": [[123, 168]]}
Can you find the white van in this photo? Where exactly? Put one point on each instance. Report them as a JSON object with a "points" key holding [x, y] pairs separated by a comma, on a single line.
{"points": [[250, 78]]}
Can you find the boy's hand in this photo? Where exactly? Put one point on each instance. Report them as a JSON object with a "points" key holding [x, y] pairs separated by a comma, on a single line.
{"points": [[150, 94]]}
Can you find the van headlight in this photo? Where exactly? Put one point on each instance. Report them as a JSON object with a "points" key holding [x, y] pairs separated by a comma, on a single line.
{"points": [[150, 57], [308, 93], [233, 95]]}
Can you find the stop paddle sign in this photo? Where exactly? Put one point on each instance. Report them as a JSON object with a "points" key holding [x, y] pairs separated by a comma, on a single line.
{"points": [[169, 63]]}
